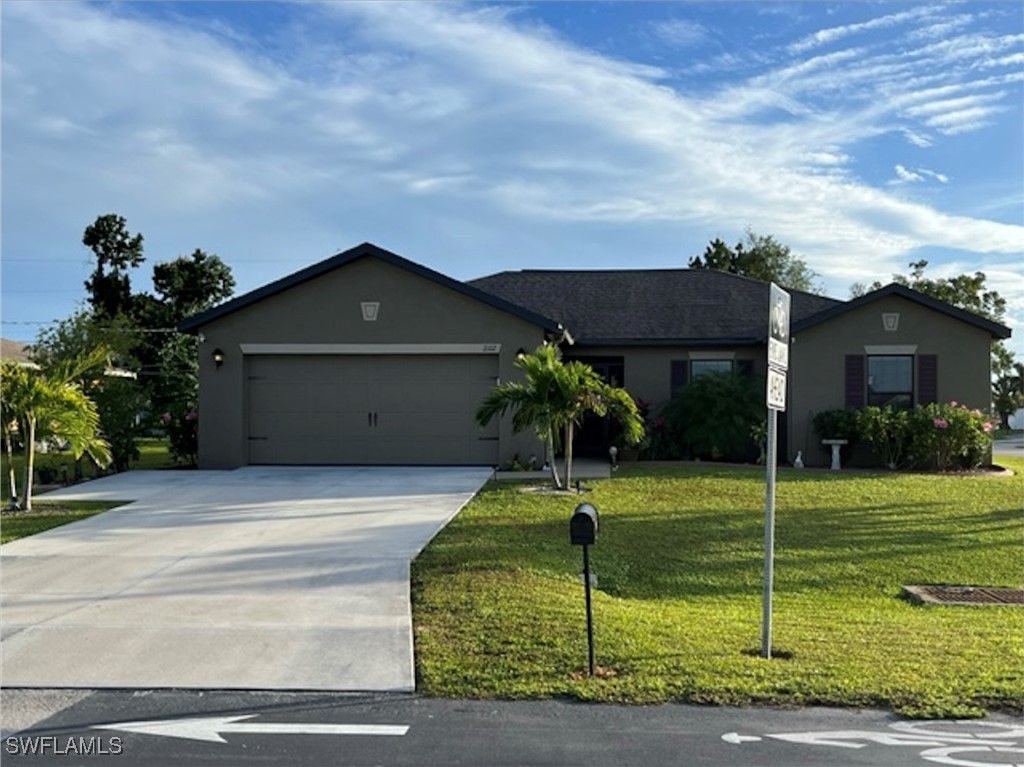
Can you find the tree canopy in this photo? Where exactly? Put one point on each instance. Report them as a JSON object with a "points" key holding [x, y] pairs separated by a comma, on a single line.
{"points": [[116, 251], [761, 257], [138, 330]]}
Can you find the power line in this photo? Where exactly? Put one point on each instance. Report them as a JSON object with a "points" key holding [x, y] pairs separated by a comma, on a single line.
{"points": [[98, 327]]}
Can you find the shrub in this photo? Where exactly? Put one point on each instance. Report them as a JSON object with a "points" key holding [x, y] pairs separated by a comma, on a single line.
{"points": [[948, 436], [837, 424], [712, 417], [182, 427], [886, 430]]}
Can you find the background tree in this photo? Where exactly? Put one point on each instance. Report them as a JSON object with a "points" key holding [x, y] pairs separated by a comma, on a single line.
{"points": [[552, 398], [761, 257], [1008, 394], [49, 403], [111, 384], [139, 330], [185, 286], [116, 251]]}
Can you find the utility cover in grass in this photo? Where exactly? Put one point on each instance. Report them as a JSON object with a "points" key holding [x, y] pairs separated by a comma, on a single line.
{"points": [[964, 595]]}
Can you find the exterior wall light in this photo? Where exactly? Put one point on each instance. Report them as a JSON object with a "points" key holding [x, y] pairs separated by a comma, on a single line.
{"points": [[218, 357]]}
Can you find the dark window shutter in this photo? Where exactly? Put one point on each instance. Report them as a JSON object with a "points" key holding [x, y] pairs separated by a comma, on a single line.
{"points": [[854, 380], [745, 367], [680, 375], [927, 378]]}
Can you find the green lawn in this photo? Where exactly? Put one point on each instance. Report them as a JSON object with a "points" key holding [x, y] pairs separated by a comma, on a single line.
{"points": [[48, 514], [153, 454], [498, 602]]}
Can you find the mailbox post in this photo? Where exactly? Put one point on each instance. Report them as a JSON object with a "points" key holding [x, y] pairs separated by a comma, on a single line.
{"points": [[583, 532]]}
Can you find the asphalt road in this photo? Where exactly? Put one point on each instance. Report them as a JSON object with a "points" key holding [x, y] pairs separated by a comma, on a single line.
{"points": [[226, 728]]}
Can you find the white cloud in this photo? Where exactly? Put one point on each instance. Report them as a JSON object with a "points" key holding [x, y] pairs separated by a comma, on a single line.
{"points": [[464, 128], [906, 175], [832, 34], [681, 33], [902, 174]]}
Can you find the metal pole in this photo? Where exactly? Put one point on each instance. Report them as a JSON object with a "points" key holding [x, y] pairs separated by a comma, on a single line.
{"points": [[769, 537], [590, 622]]}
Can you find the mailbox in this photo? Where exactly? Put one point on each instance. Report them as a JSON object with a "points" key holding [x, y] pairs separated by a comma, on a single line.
{"points": [[583, 525]]}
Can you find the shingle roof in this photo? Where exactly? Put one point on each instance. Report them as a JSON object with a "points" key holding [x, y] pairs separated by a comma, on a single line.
{"points": [[13, 350], [650, 306]]}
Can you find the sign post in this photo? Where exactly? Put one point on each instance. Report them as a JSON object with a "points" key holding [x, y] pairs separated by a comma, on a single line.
{"points": [[778, 368]]}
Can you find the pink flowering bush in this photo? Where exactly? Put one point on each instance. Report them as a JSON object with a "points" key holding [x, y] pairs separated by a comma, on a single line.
{"points": [[948, 436], [935, 436]]}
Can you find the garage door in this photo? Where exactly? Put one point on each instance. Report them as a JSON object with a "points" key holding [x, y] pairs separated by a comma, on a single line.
{"points": [[369, 409]]}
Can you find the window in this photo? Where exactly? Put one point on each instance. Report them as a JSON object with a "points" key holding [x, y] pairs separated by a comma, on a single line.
{"points": [[700, 367], [891, 380]]}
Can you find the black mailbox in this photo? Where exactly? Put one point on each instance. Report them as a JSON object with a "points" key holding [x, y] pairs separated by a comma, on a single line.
{"points": [[583, 525]]}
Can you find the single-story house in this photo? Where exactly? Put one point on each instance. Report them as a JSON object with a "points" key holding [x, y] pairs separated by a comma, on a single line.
{"points": [[369, 358]]}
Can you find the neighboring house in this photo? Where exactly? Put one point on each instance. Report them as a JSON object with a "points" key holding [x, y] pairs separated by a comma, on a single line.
{"points": [[14, 350], [368, 358]]}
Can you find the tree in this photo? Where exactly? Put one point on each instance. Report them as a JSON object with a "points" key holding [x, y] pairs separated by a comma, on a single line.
{"points": [[552, 399], [188, 285], [111, 384], [50, 403], [761, 257], [965, 291], [116, 251], [1008, 394], [144, 328]]}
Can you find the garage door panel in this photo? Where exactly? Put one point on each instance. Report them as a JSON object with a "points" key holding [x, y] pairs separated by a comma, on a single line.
{"points": [[366, 409]]}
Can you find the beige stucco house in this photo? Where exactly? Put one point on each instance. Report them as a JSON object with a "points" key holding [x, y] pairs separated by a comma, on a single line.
{"points": [[369, 358]]}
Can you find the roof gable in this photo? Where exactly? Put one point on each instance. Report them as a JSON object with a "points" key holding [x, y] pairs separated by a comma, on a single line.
{"points": [[894, 289], [366, 250]]}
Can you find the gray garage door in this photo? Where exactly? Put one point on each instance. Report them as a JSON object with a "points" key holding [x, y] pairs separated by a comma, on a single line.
{"points": [[372, 409]]}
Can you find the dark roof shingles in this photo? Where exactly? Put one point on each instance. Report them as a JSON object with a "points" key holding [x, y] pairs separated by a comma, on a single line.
{"points": [[648, 305]]}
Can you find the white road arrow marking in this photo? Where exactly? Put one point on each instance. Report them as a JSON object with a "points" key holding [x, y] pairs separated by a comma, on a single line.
{"points": [[211, 728], [841, 737], [943, 756], [735, 737]]}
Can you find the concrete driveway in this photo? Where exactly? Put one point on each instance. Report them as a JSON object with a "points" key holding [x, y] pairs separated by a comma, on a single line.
{"points": [[275, 578]]}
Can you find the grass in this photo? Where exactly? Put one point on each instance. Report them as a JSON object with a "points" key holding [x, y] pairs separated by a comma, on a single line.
{"points": [[48, 514], [153, 454], [498, 602]]}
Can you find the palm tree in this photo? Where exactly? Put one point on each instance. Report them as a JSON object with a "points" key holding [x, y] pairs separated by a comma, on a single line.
{"points": [[50, 403], [552, 399], [1008, 393]]}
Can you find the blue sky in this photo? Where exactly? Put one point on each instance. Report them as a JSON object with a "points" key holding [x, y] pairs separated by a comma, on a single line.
{"points": [[479, 137]]}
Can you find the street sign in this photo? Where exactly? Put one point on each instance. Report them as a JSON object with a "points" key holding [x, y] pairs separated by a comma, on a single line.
{"points": [[778, 328], [776, 389], [778, 364]]}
